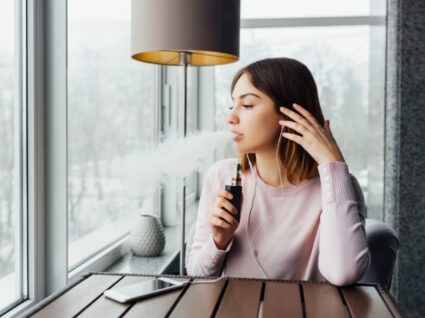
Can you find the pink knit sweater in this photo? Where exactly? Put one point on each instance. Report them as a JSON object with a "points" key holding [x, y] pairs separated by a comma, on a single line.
{"points": [[310, 231]]}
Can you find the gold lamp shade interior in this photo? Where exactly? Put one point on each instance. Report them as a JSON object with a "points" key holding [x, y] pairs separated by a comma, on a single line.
{"points": [[198, 58]]}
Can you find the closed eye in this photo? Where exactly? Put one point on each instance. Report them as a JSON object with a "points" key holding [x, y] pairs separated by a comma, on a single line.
{"points": [[245, 106]]}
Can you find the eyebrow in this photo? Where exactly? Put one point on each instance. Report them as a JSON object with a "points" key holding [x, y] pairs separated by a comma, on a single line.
{"points": [[245, 95]]}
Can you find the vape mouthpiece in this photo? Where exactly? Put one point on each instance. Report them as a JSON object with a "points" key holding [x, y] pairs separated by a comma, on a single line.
{"points": [[236, 179]]}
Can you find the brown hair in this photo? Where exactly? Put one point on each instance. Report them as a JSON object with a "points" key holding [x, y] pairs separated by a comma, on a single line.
{"points": [[286, 81]]}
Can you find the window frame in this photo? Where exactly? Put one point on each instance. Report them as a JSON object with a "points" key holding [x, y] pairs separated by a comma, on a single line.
{"points": [[20, 170], [47, 153]]}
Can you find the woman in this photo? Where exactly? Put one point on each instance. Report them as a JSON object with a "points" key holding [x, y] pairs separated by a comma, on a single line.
{"points": [[303, 213]]}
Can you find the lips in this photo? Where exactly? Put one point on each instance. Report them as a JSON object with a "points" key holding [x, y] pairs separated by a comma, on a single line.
{"points": [[236, 133], [238, 136]]}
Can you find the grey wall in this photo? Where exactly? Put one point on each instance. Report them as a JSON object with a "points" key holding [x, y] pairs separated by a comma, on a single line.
{"points": [[405, 149]]}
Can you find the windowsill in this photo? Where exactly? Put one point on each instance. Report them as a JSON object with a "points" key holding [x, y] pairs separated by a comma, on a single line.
{"points": [[148, 265], [8, 283], [156, 265]]}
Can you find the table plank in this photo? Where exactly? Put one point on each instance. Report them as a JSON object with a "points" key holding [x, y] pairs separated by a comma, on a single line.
{"points": [[365, 301], [78, 297], [322, 300], [105, 307], [157, 306], [282, 300], [241, 299], [205, 296], [392, 306]]}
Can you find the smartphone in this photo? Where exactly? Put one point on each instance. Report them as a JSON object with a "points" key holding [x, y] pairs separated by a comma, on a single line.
{"points": [[143, 289]]}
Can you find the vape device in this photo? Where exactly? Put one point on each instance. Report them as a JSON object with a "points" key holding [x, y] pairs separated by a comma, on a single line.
{"points": [[236, 189]]}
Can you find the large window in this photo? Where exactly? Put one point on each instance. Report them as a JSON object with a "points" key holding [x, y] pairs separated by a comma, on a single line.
{"points": [[12, 156], [111, 119], [251, 9], [117, 108], [344, 60]]}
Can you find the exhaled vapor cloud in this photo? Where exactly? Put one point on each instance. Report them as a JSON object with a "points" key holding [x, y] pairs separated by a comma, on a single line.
{"points": [[175, 156]]}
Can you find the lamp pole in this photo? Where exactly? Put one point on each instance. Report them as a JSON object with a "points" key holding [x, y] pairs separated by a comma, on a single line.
{"points": [[185, 60]]}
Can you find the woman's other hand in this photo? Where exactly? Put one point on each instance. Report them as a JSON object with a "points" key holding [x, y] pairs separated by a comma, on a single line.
{"points": [[316, 139]]}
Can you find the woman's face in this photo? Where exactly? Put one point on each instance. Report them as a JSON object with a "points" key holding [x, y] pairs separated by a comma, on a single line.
{"points": [[253, 118]]}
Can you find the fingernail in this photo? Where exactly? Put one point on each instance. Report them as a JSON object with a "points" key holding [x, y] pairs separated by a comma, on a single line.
{"points": [[294, 104]]}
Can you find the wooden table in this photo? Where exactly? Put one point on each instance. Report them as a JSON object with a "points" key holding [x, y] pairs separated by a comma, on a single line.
{"points": [[233, 297]]}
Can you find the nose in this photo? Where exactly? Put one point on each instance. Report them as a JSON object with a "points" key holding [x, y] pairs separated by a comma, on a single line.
{"points": [[232, 118]]}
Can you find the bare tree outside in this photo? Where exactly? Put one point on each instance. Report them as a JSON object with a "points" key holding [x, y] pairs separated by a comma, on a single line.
{"points": [[110, 117], [7, 152], [10, 154]]}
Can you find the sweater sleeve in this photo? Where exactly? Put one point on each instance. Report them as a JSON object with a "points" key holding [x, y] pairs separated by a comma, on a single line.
{"points": [[205, 259], [344, 255]]}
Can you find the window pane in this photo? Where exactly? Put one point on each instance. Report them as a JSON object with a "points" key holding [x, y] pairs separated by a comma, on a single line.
{"points": [[173, 187], [339, 58], [192, 119], [250, 9], [110, 118], [11, 239]]}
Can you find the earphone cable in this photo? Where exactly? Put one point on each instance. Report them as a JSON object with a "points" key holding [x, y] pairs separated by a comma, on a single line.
{"points": [[253, 196]]}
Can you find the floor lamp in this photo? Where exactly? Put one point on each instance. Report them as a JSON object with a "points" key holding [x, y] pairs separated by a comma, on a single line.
{"points": [[185, 32]]}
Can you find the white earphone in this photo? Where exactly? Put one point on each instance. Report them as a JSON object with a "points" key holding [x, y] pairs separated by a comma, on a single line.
{"points": [[253, 196]]}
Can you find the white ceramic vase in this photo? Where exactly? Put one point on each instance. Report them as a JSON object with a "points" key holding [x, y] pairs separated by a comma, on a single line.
{"points": [[147, 236]]}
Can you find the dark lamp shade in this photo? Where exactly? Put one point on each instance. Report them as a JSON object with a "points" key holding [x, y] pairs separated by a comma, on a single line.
{"points": [[208, 29]]}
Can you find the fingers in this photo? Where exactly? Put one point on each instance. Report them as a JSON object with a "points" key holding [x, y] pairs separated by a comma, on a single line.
{"points": [[328, 126], [303, 117], [224, 215], [328, 130], [294, 137], [298, 119], [218, 222], [295, 126], [304, 112], [222, 202], [225, 194]]}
